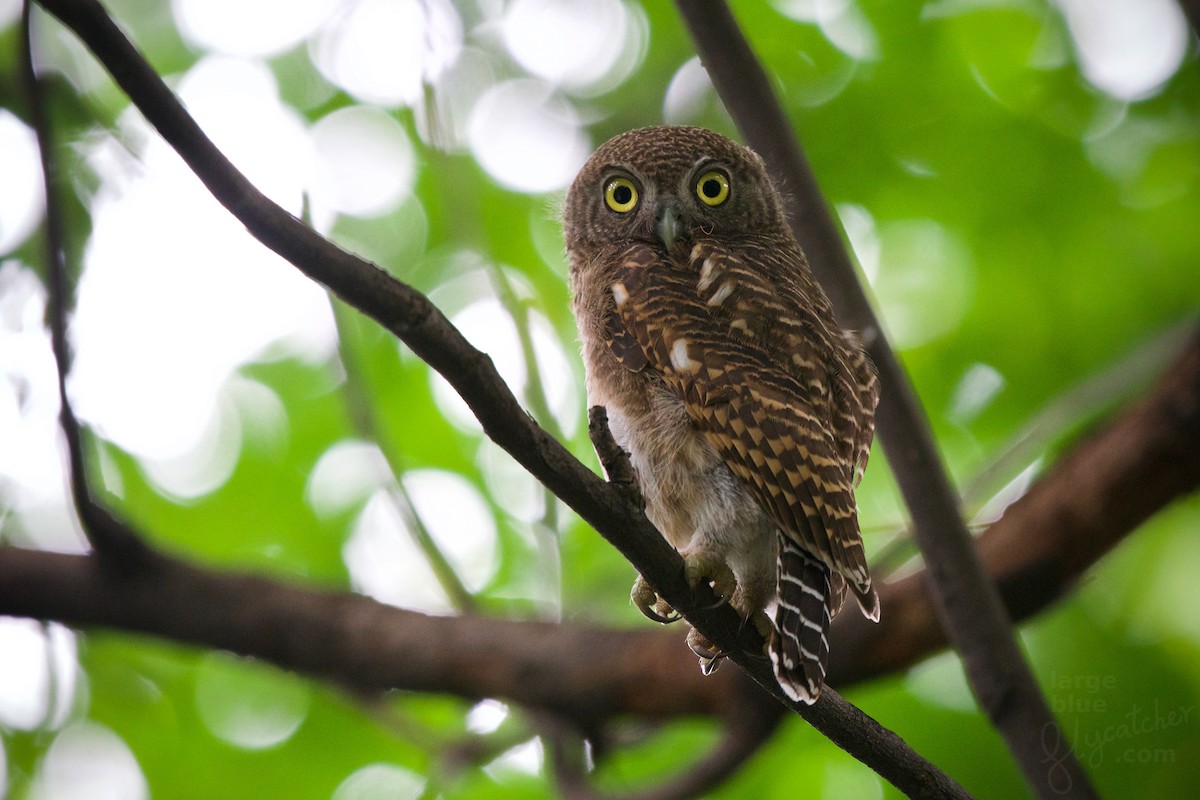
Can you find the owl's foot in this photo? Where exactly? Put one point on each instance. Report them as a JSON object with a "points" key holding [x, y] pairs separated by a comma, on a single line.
{"points": [[710, 567], [708, 653], [649, 603]]}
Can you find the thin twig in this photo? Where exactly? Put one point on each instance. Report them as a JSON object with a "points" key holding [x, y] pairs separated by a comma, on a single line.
{"points": [[743, 735], [614, 459], [545, 530], [107, 535], [475, 750], [409, 314], [968, 605], [363, 418], [535, 387], [1109, 385]]}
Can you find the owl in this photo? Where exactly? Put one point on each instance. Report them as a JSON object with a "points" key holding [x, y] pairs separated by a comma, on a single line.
{"points": [[746, 411]]}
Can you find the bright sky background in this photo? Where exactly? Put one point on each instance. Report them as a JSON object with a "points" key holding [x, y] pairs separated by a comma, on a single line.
{"points": [[159, 338]]}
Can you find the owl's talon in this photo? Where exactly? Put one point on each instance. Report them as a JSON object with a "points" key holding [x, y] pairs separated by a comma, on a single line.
{"points": [[710, 657], [649, 603], [710, 567]]}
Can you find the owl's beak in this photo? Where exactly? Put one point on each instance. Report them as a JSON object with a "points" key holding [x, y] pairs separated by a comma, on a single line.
{"points": [[667, 226]]}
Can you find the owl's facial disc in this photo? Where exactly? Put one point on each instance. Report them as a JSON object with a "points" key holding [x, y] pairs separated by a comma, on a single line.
{"points": [[666, 225]]}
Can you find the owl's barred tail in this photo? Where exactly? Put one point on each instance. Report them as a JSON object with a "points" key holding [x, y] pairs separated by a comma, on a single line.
{"points": [[809, 595]]}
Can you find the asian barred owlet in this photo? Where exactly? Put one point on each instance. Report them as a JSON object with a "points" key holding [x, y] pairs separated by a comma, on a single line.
{"points": [[747, 413]]}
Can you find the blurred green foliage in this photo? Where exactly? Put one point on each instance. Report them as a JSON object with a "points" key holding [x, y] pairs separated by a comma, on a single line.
{"points": [[1016, 222]]}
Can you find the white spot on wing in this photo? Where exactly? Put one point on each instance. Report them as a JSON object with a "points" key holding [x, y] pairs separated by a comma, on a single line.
{"points": [[721, 294], [707, 270], [680, 359], [620, 295]]}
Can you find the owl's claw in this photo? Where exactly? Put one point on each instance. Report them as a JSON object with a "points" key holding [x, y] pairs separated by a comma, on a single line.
{"points": [[649, 603], [708, 566], [710, 657]]}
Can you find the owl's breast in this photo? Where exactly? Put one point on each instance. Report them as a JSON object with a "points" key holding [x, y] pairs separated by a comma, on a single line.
{"points": [[688, 488]]}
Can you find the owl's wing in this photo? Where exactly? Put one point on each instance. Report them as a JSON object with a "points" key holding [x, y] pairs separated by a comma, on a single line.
{"points": [[867, 386], [719, 336]]}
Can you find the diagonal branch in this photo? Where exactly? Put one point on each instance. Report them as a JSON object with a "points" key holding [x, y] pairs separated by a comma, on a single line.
{"points": [[1098, 493], [410, 316], [967, 603]]}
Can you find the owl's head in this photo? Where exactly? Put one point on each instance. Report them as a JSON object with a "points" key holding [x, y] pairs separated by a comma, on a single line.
{"points": [[669, 185]]}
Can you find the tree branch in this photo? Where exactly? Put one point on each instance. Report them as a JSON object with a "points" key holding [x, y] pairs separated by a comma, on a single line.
{"points": [[1098, 493], [742, 737], [410, 316], [365, 423], [1098, 393], [104, 532], [363, 644], [967, 603]]}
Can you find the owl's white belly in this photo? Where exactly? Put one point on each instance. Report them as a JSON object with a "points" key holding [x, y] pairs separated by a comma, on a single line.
{"points": [[692, 497]]}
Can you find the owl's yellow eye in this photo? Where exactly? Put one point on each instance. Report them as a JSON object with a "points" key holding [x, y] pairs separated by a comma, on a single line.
{"points": [[621, 195], [713, 188]]}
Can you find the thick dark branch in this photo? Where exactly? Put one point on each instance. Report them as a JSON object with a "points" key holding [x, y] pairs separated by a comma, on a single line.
{"points": [[410, 316], [368, 646], [967, 603], [584, 673]]}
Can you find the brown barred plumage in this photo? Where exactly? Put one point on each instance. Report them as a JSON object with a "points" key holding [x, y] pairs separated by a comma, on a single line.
{"points": [[747, 412]]}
